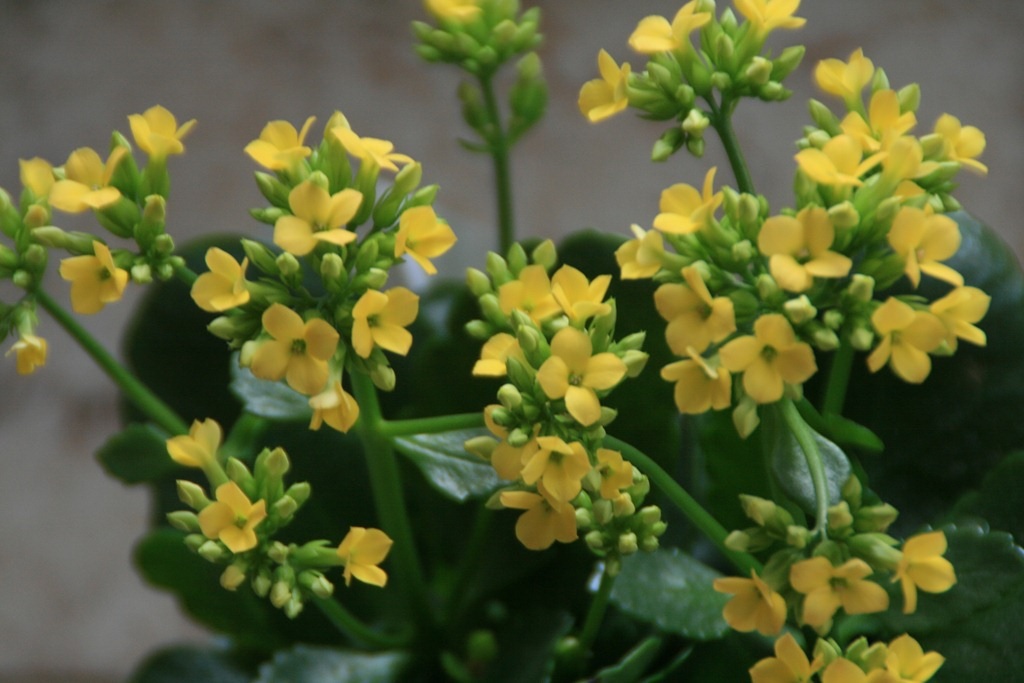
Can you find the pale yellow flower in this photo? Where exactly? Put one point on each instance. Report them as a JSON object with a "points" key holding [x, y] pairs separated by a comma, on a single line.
{"points": [[844, 671], [767, 15], [699, 386], [233, 518], [529, 293], [654, 34], [799, 249], [616, 473], [361, 551], [318, 217], [95, 280], [694, 317], [907, 336], [641, 257], [579, 298], [280, 147], [86, 184], [684, 210], [923, 239], [789, 665], [958, 311], [885, 122], [573, 373], [373, 151], [769, 359], [604, 97], [199, 447], [29, 353], [223, 287], [37, 175], [544, 521], [826, 588], [380, 318], [754, 605], [923, 566], [839, 163], [423, 236], [560, 466], [961, 143], [460, 11], [335, 406], [157, 132], [845, 79], [909, 663], [297, 350], [495, 354]]}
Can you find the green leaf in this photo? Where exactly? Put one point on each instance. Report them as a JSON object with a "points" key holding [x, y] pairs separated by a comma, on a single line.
{"points": [[304, 664], [633, 665], [265, 398], [998, 499], [672, 590], [136, 454], [526, 644], [791, 471], [443, 460], [193, 664]]}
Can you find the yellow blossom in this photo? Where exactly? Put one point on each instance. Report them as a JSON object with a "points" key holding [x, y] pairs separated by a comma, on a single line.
{"points": [[280, 147], [508, 460], [95, 280], [769, 358], [335, 406], [845, 79], [641, 257], [157, 132], [318, 217], [456, 10], [923, 239], [86, 184], [372, 151], [684, 210], [907, 336], [604, 97], [573, 373], [654, 34], [789, 665], [223, 287], [904, 160], [297, 350], [233, 518], [799, 249], [958, 311], [560, 466], [754, 605], [826, 588], [768, 15], [361, 551], [694, 317], [885, 122], [380, 318], [616, 473], [961, 143], [199, 447], [29, 353], [844, 671], [529, 293], [578, 298], [699, 386], [495, 354], [423, 236], [909, 663], [923, 566], [839, 163], [37, 175], [544, 521]]}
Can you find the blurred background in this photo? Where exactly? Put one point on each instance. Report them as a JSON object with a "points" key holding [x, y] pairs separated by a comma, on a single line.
{"points": [[71, 607]]}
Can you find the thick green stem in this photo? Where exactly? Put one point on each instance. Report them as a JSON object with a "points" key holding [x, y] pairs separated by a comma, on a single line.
{"points": [[721, 119], [679, 497], [431, 425], [140, 395], [349, 625], [838, 379], [499, 147], [802, 432], [185, 274], [595, 615]]}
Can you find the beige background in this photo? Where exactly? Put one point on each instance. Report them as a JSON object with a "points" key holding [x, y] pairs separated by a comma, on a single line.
{"points": [[71, 72]]}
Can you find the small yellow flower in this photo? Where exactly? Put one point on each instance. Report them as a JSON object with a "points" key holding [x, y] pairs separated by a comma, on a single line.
{"points": [[958, 311], [460, 11], [334, 406], [904, 161], [799, 249], [380, 318], [157, 132], [768, 15], [907, 336], [280, 147], [224, 286], [654, 34], [699, 386], [839, 163], [199, 447], [529, 293], [789, 665], [37, 175], [544, 521], [641, 257], [573, 373], [423, 236], [769, 359], [373, 151], [923, 566], [95, 280], [361, 551], [578, 298], [29, 353], [826, 588], [844, 671], [616, 473], [297, 350], [754, 605], [233, 518], [558, 465], [495, 354], [845, 79], [694, 317], [86, 184], [684, 210], [604, 97], [318, 217], [923, 239], [909, 663], [961, 143], [885, 122]]}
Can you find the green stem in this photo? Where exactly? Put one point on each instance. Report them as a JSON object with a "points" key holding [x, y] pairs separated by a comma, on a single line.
{"points": [[595, 615], [348, 624], [838, 379], [721, 119], [185, 274], [137, 392], [686, 503], [431, 425], [802, 432], [498, 143]]}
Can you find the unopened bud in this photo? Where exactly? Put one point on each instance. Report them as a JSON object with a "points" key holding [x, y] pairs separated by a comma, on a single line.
{"points": [[184, 520], [800, 310], [594, 540], [545, 254], [192, 494], [844, 215], [759, 72], [211, 551], [862, 338], [232, 577], [509, 396]]}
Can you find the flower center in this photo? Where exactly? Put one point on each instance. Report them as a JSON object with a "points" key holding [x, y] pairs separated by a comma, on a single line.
{"points": [[298, 347]]}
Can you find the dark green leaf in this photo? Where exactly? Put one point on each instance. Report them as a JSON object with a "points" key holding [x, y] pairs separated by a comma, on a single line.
{"points": [[790, 468], [443, 460], [634, 664], [526, 646], [304, 664], [998, 500], [137, 454], [264, 398], [180, 663]]}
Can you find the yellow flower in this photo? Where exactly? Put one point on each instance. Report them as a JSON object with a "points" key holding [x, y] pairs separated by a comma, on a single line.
{"points": [[572, 373], [29, 353], [684, 210], [826, 588], [904, 160], [923, 566], [423, 236], [95, 280], [558, 465], [544, 521], [961, 143], [694, 317], [579, 298], [380, 318], [754, 605], [37, 175], [885, 122], [86, 184], [605, 97], [641, 257], [839, 163], [923, 239], [529, 293], [844, 671], [845, 79], [372, 151], [909, 663], [334, 406], [233, 518], [699, 386], [616, 473], [508, 460], [495, 354], [769, 358], [907, 336], [799, 249], [318, 217], [789, 665], [361, 551], [157, 132], [297, 350], [199, 447], [280, 147], [456, 10], [958, 311], [224, 286], [768, 15], [654, 34]]}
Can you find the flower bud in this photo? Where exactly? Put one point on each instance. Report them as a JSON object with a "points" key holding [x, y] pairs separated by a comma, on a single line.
{"points": [[787, 61], [844, 215], [194, 542], [862, 287], [232, 577], [627, 543], [184, 520], [594, 540], [192, 494], [759, 71], [800, 310], [480, 446], [635, 362], [545, 254], [824, 118], [212, 551], [478, 282], [383, 376], [285, 507], [875, 518], [509, 396]]}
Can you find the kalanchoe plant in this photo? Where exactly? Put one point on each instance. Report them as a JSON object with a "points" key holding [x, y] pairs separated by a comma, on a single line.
{"points": [[508, 536]]}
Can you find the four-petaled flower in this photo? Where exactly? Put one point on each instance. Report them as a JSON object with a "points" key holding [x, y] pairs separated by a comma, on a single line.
{"points": [[573, 373], [317, 217], [380, 318], [233, 518], [361, 551], [423, 236], [29, 353], [755, 606], [578, 298], [280, 147], [845, 79], [616, 473], [907, 662], [157, 132], [885, 123], [95, 280], [297, 350], [923, 566], [684, 210], [223, 287], [769, 359], [335, 406], [799, 249], [544, 521], [907, 336], [495, 354], [923, 239], [961, 143], [605, 97], [654, 34], [768, 15], [844, 671], [529, 293], [641, 257], [37, 175], [789, 665], [373, 151], [86, 183], [839, 163], [199, 447], [700, 386], [694, 317], [560, 466], [826, 588], [958, 311]]}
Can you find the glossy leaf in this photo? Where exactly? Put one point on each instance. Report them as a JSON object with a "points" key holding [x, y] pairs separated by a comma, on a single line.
{"points": [[193, 664], [443, 460], [136, 454], [304, 664], [998, 500], [264, 398]]}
